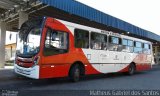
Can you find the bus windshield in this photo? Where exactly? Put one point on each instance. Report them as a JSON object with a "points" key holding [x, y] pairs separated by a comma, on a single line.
{"points": [[28, 39]]}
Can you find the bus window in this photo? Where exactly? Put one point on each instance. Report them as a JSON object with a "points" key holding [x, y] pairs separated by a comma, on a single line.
{"points": [[138, 47], [114, 44], [114, 40], [124, 42], [138, 44], [56, 42], [146, 48], [81, 38], [130, 43], [98, 41], [127, 45]]}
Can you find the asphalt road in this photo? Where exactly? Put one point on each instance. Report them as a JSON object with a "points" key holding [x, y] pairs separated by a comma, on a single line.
{"points": [[147, 80]]}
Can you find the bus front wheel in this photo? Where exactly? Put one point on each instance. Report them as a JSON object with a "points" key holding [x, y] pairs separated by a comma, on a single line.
{"points": [[75, 73]]}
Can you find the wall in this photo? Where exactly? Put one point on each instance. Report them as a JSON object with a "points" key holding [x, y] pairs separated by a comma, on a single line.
{"points": [[10, 47], [10, 50]]}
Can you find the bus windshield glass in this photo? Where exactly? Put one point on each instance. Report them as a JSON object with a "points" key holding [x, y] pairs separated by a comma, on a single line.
{"points": [[28, 39]]}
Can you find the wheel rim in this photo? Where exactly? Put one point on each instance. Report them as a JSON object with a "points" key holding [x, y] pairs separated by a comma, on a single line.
{"points": [[131, 70], [76, 74]]}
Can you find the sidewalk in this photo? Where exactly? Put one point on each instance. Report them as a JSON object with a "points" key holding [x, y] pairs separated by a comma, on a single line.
{"points": [[7, 67]]}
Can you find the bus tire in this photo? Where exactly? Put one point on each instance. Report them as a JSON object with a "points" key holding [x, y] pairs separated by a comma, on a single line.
{"points": [[74, 73], [131, 69]]}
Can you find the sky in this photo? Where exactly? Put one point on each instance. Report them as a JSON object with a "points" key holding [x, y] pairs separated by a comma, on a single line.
{"points": [[142, 13]]}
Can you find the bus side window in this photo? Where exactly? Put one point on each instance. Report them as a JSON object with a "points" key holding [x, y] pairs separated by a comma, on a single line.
{"points": [[146, 48], [56, 42], [128, 45], [138, 47], [81, 38], [98, 41], [125, 44], [113, 43]]}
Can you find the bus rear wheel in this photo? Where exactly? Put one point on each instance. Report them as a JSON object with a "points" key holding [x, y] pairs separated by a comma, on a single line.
{"points": [[131, 69], [75, 73]]}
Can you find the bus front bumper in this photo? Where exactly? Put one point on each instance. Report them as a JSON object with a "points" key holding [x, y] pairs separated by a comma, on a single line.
{"points": [[32, 72]]}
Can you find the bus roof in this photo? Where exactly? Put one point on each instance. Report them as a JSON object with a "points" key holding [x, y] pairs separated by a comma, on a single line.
{"points": [[87, 28]]}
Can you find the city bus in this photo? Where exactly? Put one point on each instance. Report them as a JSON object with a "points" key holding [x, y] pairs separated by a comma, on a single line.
{"points": [[50, 48]]}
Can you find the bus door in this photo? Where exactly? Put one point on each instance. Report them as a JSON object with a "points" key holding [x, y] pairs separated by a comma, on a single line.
{"points": [[55, 51]]}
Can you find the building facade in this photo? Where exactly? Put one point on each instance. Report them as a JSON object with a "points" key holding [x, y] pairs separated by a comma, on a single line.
{"points": [[10, 50], [10, 46], [156, 51]]}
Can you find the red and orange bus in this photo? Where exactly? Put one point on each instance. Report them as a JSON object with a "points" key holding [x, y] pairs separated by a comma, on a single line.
{"points": [[50, 48]]}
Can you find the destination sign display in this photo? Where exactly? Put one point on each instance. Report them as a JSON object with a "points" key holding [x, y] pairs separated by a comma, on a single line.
{"points": [[110, 33]]}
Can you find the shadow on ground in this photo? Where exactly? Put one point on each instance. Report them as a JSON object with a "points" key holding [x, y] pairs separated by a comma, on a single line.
{"points": [[10, 80]]}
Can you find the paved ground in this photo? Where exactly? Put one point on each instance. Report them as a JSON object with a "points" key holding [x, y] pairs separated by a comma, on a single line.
{"points": [[141, 80]]}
